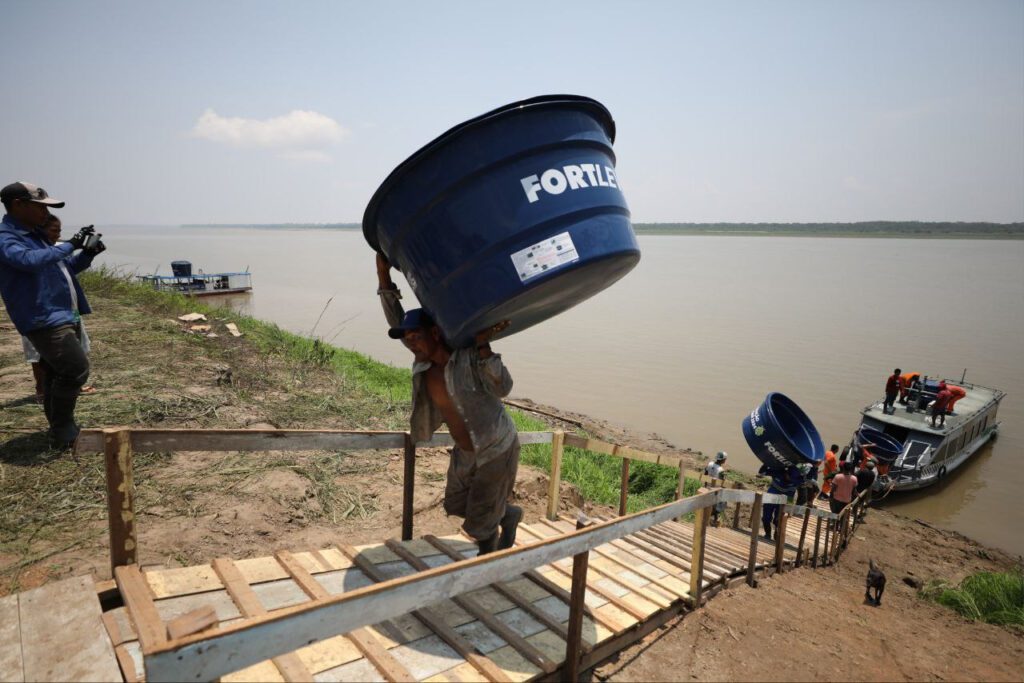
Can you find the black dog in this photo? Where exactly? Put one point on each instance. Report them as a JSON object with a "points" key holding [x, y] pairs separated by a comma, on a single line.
{"points": [[875, 580]]}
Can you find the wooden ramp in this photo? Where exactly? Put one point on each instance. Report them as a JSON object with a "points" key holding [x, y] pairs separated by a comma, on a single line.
{"points": [[515, 630]]}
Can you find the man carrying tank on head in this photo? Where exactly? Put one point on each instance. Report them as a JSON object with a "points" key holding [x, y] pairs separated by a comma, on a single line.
{"points": [[462, 388], [44, 299]]}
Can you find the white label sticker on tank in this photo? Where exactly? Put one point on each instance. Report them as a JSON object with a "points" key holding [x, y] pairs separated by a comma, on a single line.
{"points": [[544, 256]]}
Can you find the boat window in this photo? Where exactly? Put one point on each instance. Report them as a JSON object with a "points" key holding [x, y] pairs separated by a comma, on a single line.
{"points": [[984, 424]]}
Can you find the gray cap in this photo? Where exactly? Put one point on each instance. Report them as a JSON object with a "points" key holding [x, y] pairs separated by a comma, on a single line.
{"points": [[29, 192]]}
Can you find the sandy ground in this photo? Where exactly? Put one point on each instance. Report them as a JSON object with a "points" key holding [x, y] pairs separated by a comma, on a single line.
{"points": [[802, 625]]}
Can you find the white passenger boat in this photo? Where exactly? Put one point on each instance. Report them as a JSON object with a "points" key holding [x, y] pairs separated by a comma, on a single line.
{"points": [[911, 453]]}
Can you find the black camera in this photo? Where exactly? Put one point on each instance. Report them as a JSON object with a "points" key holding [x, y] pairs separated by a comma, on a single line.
{"points": [[91, 241]]}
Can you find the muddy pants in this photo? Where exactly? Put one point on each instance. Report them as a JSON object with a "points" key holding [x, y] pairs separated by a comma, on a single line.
{"points": [[66, 369], [479, 494]]}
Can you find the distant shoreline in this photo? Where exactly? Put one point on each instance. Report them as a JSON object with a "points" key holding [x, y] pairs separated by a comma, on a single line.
{"points": [[880, 229]]}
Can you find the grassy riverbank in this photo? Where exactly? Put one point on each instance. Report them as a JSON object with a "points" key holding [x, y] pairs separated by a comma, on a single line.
{"points": [[596, 476], [152, 370]]}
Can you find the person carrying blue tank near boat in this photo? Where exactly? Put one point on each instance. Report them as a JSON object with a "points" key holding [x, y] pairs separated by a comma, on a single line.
{"points": [[462, 388], [784, 482]]}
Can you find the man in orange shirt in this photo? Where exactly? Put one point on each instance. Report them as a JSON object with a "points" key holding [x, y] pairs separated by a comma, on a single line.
{"points": [[829, 470]]}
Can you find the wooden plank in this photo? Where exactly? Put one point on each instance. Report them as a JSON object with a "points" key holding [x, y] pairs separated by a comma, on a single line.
{"points": [[697, 562], [11, 667], [555, 476], [624, 486], [612, 574], [486, 667], [238, 645], [635, 567], [62, 633], [179, 581], [573, 644], [817, 540], [289, 664], [192, 622], [596, 446], [506, 590], [408, 486], [780, 539], [360, 637], [471, 605], [673, 536], [149, 440], [117, 453], [637, 612], [803, 537], [755, 521], [163, 440], [139, 600]]}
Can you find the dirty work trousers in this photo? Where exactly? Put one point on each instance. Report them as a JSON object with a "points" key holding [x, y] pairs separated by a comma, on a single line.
{"points": [[66, 368], [479, 493]]}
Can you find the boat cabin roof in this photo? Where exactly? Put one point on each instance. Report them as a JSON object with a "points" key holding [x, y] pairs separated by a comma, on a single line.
{"points": [[978, 398]]}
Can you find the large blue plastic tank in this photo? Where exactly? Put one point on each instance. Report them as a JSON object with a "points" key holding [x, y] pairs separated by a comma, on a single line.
{"points": [[781, 435], [884, 447], [516, 214]]}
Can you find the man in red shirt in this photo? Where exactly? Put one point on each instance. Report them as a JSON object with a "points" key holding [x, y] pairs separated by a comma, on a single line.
{"points": [[939, 407], [892, 389]]}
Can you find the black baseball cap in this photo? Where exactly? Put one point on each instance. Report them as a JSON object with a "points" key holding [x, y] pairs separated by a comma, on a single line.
{"points": [[416, 319], [29, 192]]}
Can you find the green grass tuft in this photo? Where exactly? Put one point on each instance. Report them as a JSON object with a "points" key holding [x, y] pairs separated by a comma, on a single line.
{"points": [[992, 597]]}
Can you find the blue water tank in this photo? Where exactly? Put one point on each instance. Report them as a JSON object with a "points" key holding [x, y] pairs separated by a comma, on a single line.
{"points": [[516, 214], [181, 268], [884, 447], [781, 435]]}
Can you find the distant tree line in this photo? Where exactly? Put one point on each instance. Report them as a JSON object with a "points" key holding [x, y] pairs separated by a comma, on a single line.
{"points": [[908, 228]]}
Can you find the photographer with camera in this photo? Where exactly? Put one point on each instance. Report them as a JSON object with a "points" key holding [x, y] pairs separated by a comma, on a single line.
{"points": [[44, 299]]}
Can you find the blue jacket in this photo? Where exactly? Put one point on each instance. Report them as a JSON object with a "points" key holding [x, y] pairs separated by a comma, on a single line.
{"points": [[32, 284]]}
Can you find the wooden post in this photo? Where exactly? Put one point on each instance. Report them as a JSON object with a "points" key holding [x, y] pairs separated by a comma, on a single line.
{"points": [[574, 643], [408, 487], [755, 524], [555, 479], [780, 537], [736, 516], [682, 481], [817, 538], [825, 560], [624, 487], [117, 451], [700, 527], [803, 537]]}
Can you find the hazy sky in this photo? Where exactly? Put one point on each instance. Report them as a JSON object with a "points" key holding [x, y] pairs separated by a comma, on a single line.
{"points": [[726, 111]]}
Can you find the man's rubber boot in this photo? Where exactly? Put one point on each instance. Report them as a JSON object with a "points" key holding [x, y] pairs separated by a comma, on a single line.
{"points": [[63, 430], [509, 523], [488, 545]]}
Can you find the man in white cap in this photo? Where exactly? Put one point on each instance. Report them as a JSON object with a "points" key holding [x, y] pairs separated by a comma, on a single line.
{"points": [[44, 299], [716, 470]]}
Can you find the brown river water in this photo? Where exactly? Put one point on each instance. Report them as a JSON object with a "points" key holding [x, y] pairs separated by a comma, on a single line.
{"points": [[693, 339]]}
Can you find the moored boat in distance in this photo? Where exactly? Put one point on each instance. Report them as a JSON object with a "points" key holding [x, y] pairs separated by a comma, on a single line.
{"points": [[911, 453], [185, 282]]}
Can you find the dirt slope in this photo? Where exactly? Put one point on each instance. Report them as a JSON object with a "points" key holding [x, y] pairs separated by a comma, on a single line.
{"points": [[809, 625]]}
